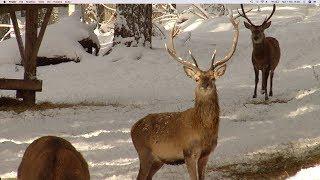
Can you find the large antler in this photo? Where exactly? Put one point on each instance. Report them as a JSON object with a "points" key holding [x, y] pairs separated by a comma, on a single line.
{"points": [[233, 47], [249, 21], [172, 51], [273, 10], [244, 15]]}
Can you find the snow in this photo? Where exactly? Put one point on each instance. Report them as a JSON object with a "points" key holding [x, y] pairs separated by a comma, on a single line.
{"points": [[305, 174], [133, 82], [60, 39]]}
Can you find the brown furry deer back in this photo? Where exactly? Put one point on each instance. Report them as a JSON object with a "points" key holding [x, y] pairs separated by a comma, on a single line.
{"points": [[52, 158]]}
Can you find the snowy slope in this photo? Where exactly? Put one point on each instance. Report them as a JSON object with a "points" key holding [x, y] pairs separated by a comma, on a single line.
{"points": [[138, 81]]}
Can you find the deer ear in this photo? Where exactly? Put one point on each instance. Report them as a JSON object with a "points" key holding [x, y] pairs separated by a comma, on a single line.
{"points": [[247, 25], [220, 71], [266, 25], [192, 73]]}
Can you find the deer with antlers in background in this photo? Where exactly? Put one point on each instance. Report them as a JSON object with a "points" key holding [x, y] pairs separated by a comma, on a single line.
{"points": [[52, 158], [189, 136], [265, 54]]}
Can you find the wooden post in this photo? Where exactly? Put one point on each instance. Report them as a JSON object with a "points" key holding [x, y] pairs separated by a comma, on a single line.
{"points": [[18, 35], [30, 65]]}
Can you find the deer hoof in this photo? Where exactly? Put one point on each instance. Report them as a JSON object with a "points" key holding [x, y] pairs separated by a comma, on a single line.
{"points": [[262, 91], [270, 93], [254, 96], [266, 98]]}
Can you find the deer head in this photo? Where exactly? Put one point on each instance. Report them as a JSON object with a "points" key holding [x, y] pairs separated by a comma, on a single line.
{"points": [[257, 32], [205, 78]]}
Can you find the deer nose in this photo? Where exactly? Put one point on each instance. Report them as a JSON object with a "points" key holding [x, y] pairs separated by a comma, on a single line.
{"points": [[204, 86]]}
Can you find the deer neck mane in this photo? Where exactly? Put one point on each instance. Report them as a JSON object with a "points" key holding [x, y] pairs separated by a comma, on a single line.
{"points": [[207, 109], [259, 48]]}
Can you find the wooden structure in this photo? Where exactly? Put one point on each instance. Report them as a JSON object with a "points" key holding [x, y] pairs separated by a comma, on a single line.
{"points": [[27, 87]]}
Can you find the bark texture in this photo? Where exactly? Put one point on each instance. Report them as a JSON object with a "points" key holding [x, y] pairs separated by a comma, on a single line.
{"points": [[133, 26]]}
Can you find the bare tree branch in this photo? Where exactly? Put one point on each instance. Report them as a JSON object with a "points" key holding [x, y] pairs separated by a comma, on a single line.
{"points": [[108, 8], [205, 13]]}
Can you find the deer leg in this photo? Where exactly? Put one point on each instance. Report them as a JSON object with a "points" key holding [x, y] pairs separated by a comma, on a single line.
{"points": [[202, 163], [191, 163], [191, 160], [145, 165], [256, 72], [271, 80], [263, 83], [265, 75], [154, 168]]}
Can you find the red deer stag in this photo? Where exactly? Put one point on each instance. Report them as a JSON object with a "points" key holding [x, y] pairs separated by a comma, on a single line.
{"points": [[265, 54], [189, 136], [52, 158]]}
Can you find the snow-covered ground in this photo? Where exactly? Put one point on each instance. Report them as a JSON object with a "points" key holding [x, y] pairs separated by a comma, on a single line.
{"points": [[133, 82], [305, 174]]}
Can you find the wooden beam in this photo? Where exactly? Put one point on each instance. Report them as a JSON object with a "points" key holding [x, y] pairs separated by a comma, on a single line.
{"points": [[20, 7], [20, 84], [29, 97], [41, 33], [18, 35]]}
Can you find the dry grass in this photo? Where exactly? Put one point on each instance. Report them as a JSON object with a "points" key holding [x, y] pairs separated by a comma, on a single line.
{"points": [[280, 165], [268, 102], [12, 104]]}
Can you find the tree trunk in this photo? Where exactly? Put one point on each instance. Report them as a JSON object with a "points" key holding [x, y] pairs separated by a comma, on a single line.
{"points": [[133, 26]]}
